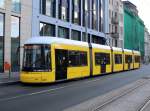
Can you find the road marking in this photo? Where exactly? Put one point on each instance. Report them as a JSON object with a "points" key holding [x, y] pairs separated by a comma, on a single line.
{"points": [[30, 94], [8, 82], [45, 91]]}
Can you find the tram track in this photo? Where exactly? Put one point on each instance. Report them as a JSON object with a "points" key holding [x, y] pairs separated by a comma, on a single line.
{"points": [[99, 103], [130, 90], [141, 107], [144, 105]]}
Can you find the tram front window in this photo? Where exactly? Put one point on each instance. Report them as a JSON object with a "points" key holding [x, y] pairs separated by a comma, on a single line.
{"points": [[36, 58]]}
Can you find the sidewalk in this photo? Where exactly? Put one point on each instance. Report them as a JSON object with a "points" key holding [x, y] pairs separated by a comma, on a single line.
{"points": [[6, 79], [132, 97]]}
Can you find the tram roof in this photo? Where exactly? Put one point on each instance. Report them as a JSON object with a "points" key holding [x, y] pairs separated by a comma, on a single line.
{"points": [[127, 50], [117, 49], [101, 46], [50, 40], [136, 52]]}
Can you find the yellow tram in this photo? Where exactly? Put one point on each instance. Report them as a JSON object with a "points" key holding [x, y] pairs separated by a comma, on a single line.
{"points": [[51, 59]]}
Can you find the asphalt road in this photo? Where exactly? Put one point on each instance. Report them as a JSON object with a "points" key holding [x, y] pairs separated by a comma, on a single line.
{"points": [[56, 97]]}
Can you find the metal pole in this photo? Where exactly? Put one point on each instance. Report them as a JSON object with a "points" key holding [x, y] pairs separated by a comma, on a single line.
{"points": [[86, 25]]}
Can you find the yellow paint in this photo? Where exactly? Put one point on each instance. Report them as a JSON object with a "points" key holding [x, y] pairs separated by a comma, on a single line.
{"points": [[136, 65], [36, 77], [76, 72], [117, 67], [96, 68], [47, 77], [40, 77], [126, 64]]}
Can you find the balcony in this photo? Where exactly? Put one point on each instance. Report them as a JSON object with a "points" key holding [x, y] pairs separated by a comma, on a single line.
{"points": [[115, 35], [115, 20]]}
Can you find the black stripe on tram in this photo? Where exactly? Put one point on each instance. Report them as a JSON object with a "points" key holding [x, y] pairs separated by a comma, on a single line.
{"points": [[91, 59], [112, 60]]}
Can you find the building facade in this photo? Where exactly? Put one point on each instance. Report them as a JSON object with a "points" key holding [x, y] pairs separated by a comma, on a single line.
{"points": [[15, 28], [147, 46], [116, 23], [131, 7], [133, 31], [68, 19]]}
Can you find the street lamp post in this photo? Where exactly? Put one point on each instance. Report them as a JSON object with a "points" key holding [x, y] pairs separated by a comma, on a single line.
{"points": [[107, 40], [86, 27]]}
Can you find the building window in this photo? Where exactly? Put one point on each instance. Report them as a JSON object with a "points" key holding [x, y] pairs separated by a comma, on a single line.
{"points": [[2, 4], [94, 14], [109, 14], [64, 10], [116, 29], [47, 29], [15, 43], [86, 13], [98, 40], [63, 32], [84, 38], [118, 59], [75, 35], [76, 11], [16, 6], [48, 7], [109, 1], [1, 42], [110, 28], [116, 42]]}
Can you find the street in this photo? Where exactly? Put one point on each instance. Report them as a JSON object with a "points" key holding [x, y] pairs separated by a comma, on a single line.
{"points": [[57, 97]]}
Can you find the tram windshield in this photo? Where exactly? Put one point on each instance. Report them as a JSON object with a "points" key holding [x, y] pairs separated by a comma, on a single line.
{"points": [[36, 58]]}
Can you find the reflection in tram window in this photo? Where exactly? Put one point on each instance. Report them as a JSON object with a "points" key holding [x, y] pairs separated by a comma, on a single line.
{"points": [[36, 57], [77, 58]]}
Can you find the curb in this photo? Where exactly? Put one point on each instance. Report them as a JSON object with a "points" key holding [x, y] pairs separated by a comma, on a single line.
{"points": [[9, 83]]}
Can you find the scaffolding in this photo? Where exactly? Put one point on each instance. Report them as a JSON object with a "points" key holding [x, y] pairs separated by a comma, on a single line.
{"points": [[133, 32]]}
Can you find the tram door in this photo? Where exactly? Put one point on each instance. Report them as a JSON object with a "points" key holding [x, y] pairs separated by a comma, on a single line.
{"points": [[103, 65], [61, 58], [129, 65]]}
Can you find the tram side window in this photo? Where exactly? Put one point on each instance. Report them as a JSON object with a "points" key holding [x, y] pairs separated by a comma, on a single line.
{"points": [[107, 58], [128, 58], [83, 58], [102, 58], [77, 58], [137, 59], [97, 59], [118, 59]]}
